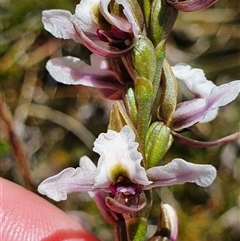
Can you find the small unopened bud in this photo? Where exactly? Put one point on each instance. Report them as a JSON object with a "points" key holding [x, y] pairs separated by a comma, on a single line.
{"points": [[168, 99], [163, 17], [158, 141], [167, 225], [141, 61]]}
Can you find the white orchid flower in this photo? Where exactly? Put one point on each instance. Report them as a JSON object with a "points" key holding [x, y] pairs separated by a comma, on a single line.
{"points": [[208, 97], [121, 176], [93, 25]]}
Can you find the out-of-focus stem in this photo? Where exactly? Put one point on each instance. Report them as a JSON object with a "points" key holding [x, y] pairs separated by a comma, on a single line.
{"points": [[17, 146]]}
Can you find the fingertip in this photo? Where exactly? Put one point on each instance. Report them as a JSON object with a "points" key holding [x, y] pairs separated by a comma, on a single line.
{"points": [[26, 216]]}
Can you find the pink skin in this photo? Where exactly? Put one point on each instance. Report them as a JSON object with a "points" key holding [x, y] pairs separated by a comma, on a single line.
{"points": [[26, 216]]}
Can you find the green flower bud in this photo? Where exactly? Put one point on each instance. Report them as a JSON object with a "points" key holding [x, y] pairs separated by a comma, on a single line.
{"points": [[168, 98], [163, 17], [146, 8], [131, 105], [141, 61], [167, 224], [158, 141], [143, 93]]}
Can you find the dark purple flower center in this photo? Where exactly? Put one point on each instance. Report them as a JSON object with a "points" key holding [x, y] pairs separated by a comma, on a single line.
{"points": [[127, 188], [115, 37]]}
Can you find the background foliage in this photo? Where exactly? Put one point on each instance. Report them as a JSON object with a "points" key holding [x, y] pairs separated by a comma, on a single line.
{"points": [[57, 124]]}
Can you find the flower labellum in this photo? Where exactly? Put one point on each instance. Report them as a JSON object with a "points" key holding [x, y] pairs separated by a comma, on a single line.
{"points": [[120, 174]]}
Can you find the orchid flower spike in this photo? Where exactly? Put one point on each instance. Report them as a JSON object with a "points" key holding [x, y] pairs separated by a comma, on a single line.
{"points": [[120, 174], [208, 97], [93, 24], [72, 71]]}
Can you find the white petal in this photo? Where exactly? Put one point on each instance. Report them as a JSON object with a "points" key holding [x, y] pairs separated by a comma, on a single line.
{"points": [[129, 15], [86, 163], [188, 113], [179, 171], [224, 94], [59, 24], [194, 79], [118, 155], [209, 116], [119, 23], [203, 110], [67, 181], [72, 71], [84, 15], [220, 96]]}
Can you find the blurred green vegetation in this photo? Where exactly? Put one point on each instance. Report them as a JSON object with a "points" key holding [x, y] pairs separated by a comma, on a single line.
{"points": [[57, 123]]}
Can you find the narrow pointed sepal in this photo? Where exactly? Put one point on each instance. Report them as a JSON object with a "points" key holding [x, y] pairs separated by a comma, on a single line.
{"points": [[190, 142]]}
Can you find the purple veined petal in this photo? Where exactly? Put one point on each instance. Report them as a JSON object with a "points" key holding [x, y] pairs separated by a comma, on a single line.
{"points": [[188, 113], [84, 16], [72, 71], [224, 94], [95, 48], [194, 79], [67, 181], [59, 24], [220, 96], [179, 171], [191, 5]]}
